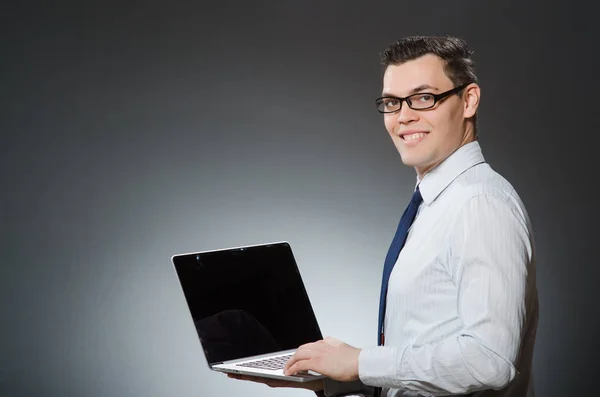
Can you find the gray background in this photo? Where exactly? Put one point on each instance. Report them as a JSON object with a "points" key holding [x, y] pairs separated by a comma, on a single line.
{"points": [[135, 131]]}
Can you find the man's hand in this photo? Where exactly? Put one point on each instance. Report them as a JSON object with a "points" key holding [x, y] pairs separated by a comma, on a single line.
{"points": [[315, 385], [329, 357]]}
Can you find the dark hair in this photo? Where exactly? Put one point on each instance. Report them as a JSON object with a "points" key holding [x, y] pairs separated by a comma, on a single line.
{"points": [[459, 67]]}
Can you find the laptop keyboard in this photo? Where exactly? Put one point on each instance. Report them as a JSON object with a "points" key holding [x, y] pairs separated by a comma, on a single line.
{"points": [[273, 363]]}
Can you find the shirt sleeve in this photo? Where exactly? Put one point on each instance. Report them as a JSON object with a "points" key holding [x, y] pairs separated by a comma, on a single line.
{"points": [[490, 253]]}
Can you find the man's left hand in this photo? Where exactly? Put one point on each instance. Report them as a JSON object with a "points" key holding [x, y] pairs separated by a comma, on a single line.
{"points": [[329, 357]]}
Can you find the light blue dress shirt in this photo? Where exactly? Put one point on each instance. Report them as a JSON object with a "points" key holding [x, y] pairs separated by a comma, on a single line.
{"points": [[462, 304]]}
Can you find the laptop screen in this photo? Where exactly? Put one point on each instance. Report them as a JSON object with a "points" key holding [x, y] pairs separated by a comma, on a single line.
{"points": [[247, 301]]}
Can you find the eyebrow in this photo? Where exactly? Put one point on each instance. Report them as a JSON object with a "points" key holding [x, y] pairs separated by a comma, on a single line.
{"points": [[415, 90]]}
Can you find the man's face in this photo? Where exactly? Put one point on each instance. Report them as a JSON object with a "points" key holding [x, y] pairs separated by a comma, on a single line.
{"points": [[424, 138]]}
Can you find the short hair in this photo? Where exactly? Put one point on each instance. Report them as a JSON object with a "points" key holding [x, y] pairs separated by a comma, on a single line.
{"points": [[458, 64], [454, 52]]}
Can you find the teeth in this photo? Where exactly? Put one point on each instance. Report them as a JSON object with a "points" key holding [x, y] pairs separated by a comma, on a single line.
{"points": [[414, 136]]}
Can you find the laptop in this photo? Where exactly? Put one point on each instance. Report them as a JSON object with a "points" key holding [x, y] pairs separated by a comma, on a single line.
{"points": [[249, 307]]}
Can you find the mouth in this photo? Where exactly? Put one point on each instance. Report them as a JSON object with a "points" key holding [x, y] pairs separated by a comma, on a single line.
{"points": [[413, 137]]}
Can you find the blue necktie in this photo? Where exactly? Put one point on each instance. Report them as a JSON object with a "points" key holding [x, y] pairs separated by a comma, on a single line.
{"points": [[390, 260]]}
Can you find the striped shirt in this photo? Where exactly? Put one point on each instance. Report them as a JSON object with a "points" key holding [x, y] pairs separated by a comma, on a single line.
{"points": [[462, 303]]}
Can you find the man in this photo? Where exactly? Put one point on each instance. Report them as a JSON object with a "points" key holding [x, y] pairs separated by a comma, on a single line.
{"points": [[459, 301]]}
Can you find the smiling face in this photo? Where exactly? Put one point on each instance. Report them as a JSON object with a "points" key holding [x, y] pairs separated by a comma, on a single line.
{"points": [[425, 138]]}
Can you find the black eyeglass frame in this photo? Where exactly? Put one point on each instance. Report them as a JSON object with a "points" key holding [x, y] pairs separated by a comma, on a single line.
{"points": [[436, 99]]}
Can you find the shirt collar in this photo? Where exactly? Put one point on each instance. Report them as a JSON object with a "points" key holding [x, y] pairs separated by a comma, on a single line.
{"points": [[436, 180]]}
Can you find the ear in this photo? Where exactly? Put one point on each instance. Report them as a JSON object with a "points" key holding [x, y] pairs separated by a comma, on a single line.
{"points": [[471, 96]]}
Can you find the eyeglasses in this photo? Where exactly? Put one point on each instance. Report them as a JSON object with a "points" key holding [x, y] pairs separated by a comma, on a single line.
{"points": [[420, 101]]}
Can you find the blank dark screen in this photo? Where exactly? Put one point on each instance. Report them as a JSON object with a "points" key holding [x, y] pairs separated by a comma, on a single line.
{"points": [[247, 301]]}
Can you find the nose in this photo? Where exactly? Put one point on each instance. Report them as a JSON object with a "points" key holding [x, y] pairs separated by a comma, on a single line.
{"points": [[407, 115]]}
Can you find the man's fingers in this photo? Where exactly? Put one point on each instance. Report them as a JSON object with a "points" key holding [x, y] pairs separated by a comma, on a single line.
{"points": [[302, 365], [299, 355], [303, 354]]}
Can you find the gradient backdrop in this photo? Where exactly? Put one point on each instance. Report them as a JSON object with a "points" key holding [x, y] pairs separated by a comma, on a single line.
{"points": [[131, 132]]}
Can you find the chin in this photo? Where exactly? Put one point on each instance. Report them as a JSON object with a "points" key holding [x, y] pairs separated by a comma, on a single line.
{"points": [[410, 161], [417, 163]]}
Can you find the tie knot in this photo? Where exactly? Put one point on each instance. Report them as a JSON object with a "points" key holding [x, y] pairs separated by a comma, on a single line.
{"points": [[416, 197]]}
